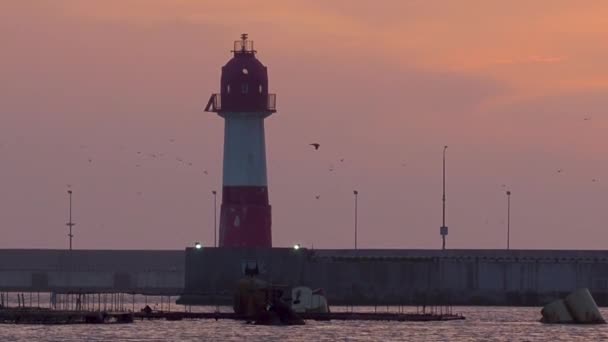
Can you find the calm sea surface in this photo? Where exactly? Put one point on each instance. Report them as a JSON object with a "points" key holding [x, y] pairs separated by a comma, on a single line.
{"points": [[482, 324]]}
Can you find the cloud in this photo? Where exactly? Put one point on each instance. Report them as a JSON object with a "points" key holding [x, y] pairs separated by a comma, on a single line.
{"points": [[539, 59], [546, 59]]}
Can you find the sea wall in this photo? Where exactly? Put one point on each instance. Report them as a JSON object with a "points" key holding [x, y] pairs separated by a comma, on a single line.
{"points": [[425, 277], [39, 270], [208, 275]]}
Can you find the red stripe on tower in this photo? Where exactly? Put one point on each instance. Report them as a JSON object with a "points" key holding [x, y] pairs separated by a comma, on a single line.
{"points": [[244, 103]]}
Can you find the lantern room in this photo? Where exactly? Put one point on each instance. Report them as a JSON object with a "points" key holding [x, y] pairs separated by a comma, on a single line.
{"points": [[244, 83]]}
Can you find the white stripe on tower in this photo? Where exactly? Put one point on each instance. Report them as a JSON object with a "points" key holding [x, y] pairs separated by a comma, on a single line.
{"points": [[244, 150]]}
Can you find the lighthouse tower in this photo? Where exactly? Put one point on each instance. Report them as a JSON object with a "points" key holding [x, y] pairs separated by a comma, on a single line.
{"points": [[244, 103]]}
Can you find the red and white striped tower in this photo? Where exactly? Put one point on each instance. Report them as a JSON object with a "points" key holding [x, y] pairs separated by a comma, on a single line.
{"points": [[244, 103]]}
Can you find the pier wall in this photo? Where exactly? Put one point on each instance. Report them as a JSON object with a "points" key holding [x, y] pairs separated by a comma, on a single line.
{"points": [[466, 277], [459, 277], [145, 272]]}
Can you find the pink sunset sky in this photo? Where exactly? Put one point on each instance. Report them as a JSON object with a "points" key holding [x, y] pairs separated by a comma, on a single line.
{"points": [[517, 89]]}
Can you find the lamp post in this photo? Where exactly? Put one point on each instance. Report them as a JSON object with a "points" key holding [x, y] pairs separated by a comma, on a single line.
{"points": [[214, 218], [356, 193], [443, 230], [508, 218], [70, 224]]}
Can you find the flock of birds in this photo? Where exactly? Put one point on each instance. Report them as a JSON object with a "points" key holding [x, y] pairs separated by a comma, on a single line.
{"points": [[149, 156], [315, 146], [184, 162]]}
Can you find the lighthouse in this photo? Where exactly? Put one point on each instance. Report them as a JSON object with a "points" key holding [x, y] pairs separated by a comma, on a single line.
{"points": [[244, 103]]}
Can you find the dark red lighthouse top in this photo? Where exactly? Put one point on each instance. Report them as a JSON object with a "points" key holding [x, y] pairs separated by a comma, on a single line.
{"points": [[244, 83]]}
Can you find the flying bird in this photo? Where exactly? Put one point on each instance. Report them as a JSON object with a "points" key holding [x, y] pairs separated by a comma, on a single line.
{"points": [[559, 170], [315, 145], [205, 172], [587, 119], [318, 196], [341, 160]]}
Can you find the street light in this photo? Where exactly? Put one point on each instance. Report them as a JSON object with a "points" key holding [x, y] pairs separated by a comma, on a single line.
{"points": [[443, 230], [508, 218], [356, 193], [198, 245], [70, 223], [214, 218], [296, 246]]}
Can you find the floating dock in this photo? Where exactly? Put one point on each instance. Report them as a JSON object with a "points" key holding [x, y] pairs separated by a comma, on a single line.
{"points": [[340, 316], [46, 316]]}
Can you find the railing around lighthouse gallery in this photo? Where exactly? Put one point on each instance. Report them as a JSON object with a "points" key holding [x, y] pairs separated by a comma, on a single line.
{"points": [[215, 103]]}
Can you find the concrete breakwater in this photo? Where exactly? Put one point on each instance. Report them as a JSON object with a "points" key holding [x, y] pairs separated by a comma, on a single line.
{"points": [[362, 277], [404, 277], [92, 271]]}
